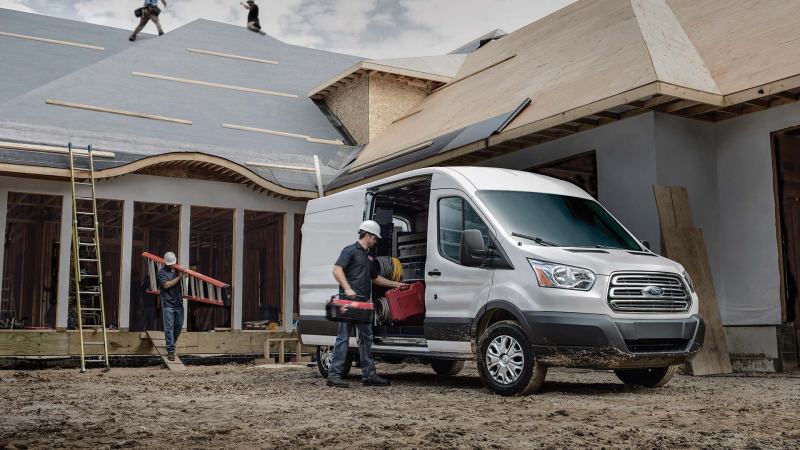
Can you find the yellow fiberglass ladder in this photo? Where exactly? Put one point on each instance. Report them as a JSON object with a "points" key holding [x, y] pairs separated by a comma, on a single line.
{"points": [[88, 273]]}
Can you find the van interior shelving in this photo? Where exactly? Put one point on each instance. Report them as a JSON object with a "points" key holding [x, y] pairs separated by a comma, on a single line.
{"points": [[402, 213]]}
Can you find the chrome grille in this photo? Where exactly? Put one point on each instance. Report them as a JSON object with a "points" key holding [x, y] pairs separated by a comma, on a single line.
{"points": [[648, 292]]}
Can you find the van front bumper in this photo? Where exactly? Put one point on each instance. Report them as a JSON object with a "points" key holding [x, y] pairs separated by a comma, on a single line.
{"points": [[598, 341]]}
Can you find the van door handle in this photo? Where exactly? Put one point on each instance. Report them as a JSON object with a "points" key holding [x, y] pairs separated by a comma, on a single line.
{"points": [[435, 273]]}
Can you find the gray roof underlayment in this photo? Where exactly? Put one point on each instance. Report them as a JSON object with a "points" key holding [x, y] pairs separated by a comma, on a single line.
{"points": [[109, 82]]}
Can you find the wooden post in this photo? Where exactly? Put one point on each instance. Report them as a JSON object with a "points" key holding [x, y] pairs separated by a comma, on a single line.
{"points": [[183, 249], [288, 271], [64, 254], [125, 266], [282, 351], [3, 218], [238, 269]]}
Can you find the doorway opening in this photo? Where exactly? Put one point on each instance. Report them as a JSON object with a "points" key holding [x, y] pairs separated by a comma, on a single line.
{"points": [[31, 260], [156, 229], [210, 253], [262, 277], [786, 146]]}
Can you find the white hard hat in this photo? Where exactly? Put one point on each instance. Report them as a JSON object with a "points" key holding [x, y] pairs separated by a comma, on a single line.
{"points": [[370, 226], [170, 259]]}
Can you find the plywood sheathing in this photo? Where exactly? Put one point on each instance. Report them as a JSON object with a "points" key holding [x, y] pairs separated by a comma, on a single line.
{"points": [[681, 241], [571, 66]]}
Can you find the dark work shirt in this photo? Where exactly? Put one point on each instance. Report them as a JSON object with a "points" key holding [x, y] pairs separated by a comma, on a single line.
{"points": [[358, 269], [253, 14], [172, 297]]}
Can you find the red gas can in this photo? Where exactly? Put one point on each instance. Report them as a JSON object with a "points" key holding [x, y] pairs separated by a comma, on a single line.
{"points": [[408, 304]]}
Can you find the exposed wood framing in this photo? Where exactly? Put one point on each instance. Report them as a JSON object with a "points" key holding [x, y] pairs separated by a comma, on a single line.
{"points": [[216, 85], [117, 111], [283, 133], [51, 41], [228, 55]]}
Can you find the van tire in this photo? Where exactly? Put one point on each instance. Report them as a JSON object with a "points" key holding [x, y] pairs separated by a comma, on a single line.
{"points": [[532, 374], [447, 367], [324, 353], [651, 377]]}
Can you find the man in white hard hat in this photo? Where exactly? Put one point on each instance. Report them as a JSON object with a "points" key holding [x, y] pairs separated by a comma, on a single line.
{"points": [[171, 293], [355, 274]]}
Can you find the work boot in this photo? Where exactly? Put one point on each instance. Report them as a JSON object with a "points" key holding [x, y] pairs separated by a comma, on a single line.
{"points": [[132, 38], [376, 381], [171, 356], [338, 382]]}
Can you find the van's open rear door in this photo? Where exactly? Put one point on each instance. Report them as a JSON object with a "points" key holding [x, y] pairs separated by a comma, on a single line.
{"points": [[331, 223]]}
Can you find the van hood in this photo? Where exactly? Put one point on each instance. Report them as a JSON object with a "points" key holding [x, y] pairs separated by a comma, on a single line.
{"points": [[601, 261]]}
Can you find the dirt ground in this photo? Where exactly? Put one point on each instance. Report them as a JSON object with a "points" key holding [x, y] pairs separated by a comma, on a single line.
{"points": [[244, 406]]}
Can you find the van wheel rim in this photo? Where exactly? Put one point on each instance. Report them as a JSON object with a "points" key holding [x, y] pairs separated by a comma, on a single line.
{"points": [[505, 359], [326, 356]]}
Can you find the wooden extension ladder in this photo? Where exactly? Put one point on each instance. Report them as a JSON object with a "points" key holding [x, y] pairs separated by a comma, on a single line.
{"points": [[86, 255]]}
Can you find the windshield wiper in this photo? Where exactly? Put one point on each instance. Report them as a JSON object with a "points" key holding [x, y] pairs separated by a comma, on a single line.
{"points": [[536, 239]]}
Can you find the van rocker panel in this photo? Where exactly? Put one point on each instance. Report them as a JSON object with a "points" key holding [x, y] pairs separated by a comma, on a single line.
{"points": [[601, 342]]}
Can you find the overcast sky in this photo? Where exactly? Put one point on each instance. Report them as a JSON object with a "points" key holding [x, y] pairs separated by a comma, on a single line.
{"points": [[369, 28]]}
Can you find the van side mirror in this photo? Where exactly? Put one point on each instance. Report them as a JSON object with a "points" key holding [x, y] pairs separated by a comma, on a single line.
{"points": [[472, 249], [646, 244]]}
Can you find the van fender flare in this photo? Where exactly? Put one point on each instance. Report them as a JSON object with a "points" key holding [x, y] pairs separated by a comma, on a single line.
{"points": [[479, 324]]}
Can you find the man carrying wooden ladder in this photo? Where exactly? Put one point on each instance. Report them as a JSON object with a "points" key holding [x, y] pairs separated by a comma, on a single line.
{"points": [[171, 291]]}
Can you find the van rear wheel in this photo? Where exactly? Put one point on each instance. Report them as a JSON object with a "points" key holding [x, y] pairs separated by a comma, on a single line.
{"points": [[506, 362], [652, 377], [325, 358], [447, 367]]}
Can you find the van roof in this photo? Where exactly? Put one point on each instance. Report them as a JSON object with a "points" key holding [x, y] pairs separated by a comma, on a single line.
{"points": [[492, 178]]}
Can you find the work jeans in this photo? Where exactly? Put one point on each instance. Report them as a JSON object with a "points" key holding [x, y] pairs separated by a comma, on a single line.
{"points": [[173, 322], [340, 350], [146, 16]]}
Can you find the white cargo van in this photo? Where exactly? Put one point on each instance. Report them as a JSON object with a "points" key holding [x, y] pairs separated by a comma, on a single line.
{"points": [[521, 272]]}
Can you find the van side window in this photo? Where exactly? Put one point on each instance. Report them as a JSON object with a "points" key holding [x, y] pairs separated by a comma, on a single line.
{"points": [[455, 216]]}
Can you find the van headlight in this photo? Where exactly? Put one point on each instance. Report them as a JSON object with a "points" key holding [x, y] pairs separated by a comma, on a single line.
{"points": [[554, 275], [688, 280]]}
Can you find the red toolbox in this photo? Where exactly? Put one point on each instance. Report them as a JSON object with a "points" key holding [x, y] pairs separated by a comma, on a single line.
{"points": [[404, 305], [346, 309]]}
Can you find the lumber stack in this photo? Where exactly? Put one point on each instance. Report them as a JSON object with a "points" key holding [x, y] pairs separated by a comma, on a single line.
{"points": [[681, 241]]}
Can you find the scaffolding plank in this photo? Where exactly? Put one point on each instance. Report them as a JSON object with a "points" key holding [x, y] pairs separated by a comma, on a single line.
{"points": [[159, 342]]}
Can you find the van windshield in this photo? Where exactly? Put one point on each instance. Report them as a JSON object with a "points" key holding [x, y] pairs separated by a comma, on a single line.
{"points": [[557, 220]]}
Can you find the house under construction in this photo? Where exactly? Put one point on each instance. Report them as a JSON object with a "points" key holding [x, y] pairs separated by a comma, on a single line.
{"points": [[212, 131]]}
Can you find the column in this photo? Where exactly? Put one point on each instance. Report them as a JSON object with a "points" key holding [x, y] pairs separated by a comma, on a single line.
{"points": [[183, 250], [64, 266], [288, 271], [125, 266], [238, 269], [3, 212]]}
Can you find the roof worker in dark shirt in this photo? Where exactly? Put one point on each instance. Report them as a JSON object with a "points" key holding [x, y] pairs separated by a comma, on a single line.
{"points": [[253, 23], [149, 12], [355, 275], [171, 292]]}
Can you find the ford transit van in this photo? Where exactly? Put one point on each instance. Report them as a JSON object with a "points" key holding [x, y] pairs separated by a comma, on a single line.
{"points": [[520, 272]]}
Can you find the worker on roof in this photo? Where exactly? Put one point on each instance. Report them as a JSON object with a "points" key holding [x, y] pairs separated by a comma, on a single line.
{"points": [[253, 24], [171, 292], [148, 12], [355, 274]]}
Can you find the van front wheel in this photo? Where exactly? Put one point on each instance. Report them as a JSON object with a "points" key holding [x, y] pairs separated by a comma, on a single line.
{"points": [[325, 357], [652, 378], [506, 362]]}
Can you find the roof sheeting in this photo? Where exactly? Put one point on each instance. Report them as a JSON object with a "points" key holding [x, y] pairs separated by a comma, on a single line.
{"points": [[203, 88]]}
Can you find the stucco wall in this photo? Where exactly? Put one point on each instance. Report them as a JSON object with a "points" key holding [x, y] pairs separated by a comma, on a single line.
{"points": [[748, 243], [390, 99], [351, 105]]}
